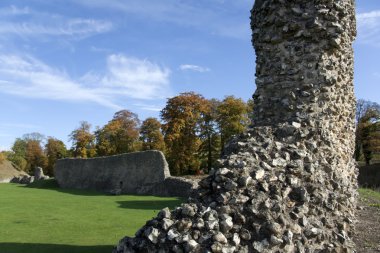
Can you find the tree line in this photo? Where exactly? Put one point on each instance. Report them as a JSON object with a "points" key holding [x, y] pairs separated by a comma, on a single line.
{"points": [[191, 132], [367, 145]]}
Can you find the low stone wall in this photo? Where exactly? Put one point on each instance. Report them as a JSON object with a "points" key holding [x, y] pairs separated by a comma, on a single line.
{"points": [[175, 186], [133, 173]]}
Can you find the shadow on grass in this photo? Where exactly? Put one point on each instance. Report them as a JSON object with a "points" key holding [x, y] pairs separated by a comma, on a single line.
{"points": [[52, 248], [51, 184], [150, 205]]}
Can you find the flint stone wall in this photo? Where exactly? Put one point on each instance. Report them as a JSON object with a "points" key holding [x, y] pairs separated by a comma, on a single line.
{"points": [[289, 183], [139, 172]]}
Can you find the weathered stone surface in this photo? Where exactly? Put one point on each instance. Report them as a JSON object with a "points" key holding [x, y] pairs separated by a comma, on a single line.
{"points": [[292, 186], [135, 173], [39, 174], [174, 186]]}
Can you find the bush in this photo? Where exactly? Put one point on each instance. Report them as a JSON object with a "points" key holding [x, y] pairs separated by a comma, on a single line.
{"points": [[2, 157]]}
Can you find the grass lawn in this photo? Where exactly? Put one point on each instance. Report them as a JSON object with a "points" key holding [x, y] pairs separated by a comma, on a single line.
{"points": [[46, 219], [370, 197]]}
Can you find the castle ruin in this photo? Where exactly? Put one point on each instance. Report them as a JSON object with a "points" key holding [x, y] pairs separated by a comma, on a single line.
{"points": [[289, 183]]}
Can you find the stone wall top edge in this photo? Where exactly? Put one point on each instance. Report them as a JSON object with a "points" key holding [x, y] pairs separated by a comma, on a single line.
{"points": [[111, 156]]}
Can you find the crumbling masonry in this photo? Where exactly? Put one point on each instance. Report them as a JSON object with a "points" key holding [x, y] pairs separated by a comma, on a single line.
{"points": [[289, 183]]}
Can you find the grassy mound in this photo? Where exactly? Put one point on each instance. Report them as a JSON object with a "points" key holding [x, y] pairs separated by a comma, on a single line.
{"points": [[41, 218], [8, 171]]}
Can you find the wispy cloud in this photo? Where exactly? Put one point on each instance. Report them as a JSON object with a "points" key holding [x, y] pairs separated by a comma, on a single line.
{"points": [[136, 78], [148, 107], [71, 27], [124, 77], [187, 13], [13, 10], [18, 125], [27, 22], [369, 27], [196, 68], [100, 49]]}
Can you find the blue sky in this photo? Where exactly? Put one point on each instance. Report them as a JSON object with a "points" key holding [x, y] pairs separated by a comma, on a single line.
{"points": [[62, 62]]}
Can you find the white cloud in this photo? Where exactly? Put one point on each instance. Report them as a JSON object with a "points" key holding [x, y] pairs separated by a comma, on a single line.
{"points": [[100, 49], [368, 15], [27, 22], [17, 125], [13, 10], [125, 77], [147, 107], [194, 68], [208, 15], [136, 78], [369, 27], [70, 27]]}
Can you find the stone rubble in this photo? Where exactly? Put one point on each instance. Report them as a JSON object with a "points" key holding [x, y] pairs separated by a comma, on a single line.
{"points": [[289, 183], [26, 179], [39, 174]]}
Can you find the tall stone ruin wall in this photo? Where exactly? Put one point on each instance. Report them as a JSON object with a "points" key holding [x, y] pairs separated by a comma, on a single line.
{"points": [[289, 183], [134, 173]]}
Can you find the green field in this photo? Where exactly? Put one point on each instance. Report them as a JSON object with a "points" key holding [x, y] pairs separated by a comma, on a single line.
{"points": [[370, 197], [46, 219]]}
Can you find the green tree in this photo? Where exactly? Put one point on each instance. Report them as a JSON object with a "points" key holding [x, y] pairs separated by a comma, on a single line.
{"points": [[250, 105], [364, 111], [83, 141], [27, 152], [182, 117], [120, 135], [55, 149], [362, 106], [232, 118], [151, 135], [368, 134], [210, 137], [18, 154]]}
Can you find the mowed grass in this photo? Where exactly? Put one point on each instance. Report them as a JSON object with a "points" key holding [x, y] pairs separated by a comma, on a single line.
{"points": [[46, 219], [370, 197]]}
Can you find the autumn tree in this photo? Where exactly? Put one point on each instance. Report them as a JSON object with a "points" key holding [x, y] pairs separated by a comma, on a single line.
{"points": [[83, 141], [232, 118], [120, 135], [362, 106], [151, 135], [182, 117], [210, 146], [368, 134], [27, 152], [35, 155], [3, 157], [55, 149]]}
